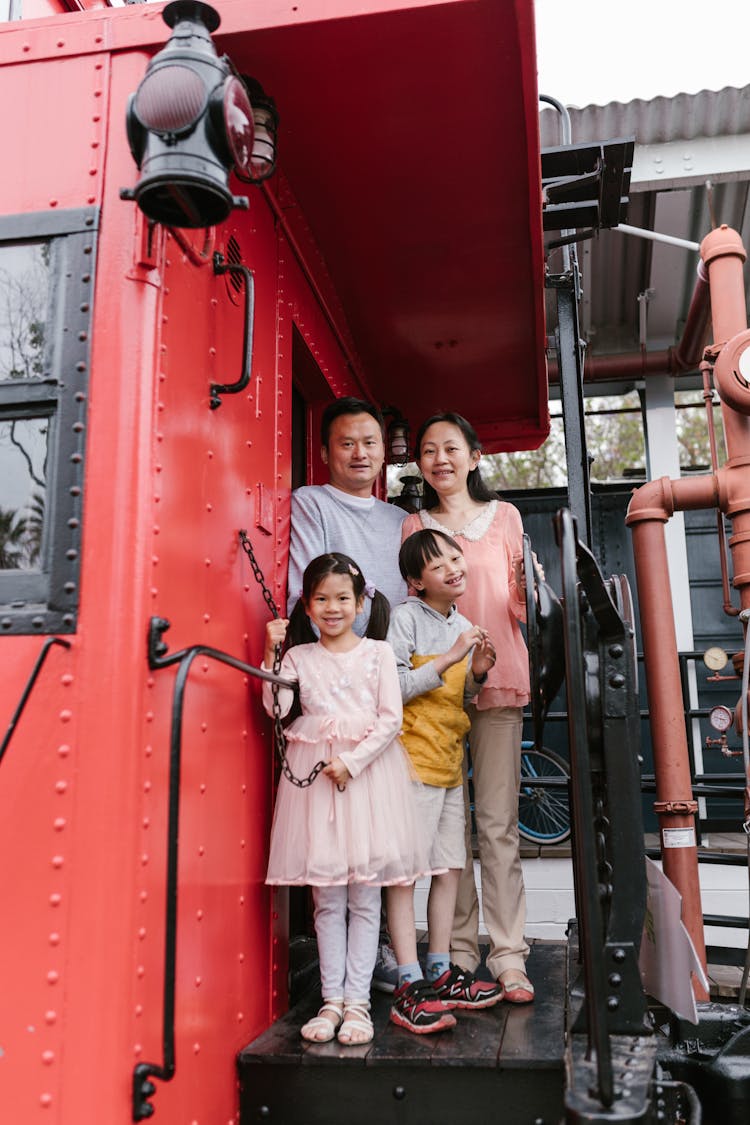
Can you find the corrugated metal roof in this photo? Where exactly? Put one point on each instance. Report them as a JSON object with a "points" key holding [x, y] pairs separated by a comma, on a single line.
{"points": [[711, 113], [617, 267]]}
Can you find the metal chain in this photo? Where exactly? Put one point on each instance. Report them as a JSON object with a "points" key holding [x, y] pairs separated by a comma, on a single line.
{"points": [[278, 730]]}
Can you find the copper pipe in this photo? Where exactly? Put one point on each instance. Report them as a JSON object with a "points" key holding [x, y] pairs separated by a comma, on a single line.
{"points": [[685, 356], [708, 398], [727, 489]]}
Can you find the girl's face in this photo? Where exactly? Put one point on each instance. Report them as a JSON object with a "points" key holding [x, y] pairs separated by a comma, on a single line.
{"points": [[332, 606], [445, 458], [443, 579]]}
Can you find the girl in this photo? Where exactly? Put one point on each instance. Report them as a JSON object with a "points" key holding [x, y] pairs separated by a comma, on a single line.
{"points": [[355, 828]]}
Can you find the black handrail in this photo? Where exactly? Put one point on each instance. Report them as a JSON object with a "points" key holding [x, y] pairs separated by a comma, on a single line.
{"points": [[217, 389], [143, 1087], [582, 807], [50, 641]]}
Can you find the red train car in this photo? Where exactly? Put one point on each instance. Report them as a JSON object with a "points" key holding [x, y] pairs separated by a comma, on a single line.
{"points": [[396, 255]]}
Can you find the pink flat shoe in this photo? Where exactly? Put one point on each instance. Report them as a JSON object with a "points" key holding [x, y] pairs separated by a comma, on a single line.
{"points": [[518, 987]]}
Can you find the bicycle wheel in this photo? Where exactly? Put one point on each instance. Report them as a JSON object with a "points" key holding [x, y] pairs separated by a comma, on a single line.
{"points": [[543, 813]]}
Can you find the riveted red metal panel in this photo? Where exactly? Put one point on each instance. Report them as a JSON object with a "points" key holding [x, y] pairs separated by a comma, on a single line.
{"points": [[168, 484]]}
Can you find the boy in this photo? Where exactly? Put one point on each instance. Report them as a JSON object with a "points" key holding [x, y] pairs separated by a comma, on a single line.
{"points": [[442, 661]]}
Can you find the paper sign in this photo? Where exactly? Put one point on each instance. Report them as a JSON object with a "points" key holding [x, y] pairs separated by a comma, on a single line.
{"points": [[668, 956]]}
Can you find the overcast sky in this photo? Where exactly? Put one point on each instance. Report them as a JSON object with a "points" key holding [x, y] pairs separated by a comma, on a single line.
{"points": [[598, 51]]}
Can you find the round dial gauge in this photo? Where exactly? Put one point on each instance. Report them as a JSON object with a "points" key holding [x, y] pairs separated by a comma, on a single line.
{"points": [[720, 718], [715, 658]]}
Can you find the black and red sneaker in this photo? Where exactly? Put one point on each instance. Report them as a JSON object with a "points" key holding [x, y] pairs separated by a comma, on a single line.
{"points": [[457, 988], [417, 1008]]}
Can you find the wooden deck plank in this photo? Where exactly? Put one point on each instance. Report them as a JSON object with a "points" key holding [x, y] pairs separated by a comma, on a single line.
{"points": [[535, 1033], [476, 1039]]}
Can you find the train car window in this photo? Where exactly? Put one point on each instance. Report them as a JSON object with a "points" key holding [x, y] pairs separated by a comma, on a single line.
{"points": [[46, 287]]}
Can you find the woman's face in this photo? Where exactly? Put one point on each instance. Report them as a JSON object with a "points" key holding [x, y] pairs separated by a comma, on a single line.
{"points": [[445, 458]]}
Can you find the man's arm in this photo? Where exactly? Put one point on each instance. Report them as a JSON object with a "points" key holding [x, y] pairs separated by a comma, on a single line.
{"points": [[307, 541]]}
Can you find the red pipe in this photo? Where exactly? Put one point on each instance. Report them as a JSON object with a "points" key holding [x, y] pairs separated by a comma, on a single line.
{"points": [[652, 505]]}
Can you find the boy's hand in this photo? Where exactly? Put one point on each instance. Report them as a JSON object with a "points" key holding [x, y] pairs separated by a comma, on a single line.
{"points": [[337, 772], [459, 648], [275, 633], [484, 655]]}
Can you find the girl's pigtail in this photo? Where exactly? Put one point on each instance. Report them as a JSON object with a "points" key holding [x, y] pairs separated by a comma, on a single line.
{"points": [[300, 631], [380, 616]]}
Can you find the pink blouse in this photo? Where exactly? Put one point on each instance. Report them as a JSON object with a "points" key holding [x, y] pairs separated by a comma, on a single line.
{"points": [[489, 544]]}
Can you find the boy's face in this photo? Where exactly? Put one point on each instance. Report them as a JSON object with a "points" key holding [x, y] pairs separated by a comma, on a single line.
{"points": [[443, 578]]}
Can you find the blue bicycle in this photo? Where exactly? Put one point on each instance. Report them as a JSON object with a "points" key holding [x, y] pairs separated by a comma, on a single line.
{"points": [[543, 811]]}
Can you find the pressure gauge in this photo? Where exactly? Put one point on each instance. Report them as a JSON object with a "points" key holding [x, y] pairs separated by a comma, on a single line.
{"points": [[715, 658], [720, 718]]}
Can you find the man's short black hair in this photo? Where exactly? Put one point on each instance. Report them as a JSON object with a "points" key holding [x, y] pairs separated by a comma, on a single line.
{"points": [[346, 405]]}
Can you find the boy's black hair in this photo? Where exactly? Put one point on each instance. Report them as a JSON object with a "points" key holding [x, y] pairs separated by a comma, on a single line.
{"points": [[300, 628], [418, 549], [346, 405]]}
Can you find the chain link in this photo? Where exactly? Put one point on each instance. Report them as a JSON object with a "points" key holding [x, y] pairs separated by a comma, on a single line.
{"points": [[278, 730]]}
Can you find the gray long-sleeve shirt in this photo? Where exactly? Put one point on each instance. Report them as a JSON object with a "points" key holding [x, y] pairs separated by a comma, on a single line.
{"points": [[368, 530]]}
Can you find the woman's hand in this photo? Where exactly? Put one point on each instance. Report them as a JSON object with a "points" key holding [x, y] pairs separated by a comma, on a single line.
{"points": [[337, 772], [519, 575], [484, 655], [275, 634]]}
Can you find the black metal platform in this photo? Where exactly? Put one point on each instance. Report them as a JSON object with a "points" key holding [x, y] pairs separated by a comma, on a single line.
{"points": [[501, 1065]]}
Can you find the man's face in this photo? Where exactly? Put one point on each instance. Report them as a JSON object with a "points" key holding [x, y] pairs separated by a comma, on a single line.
{"points": [[355, 453]]}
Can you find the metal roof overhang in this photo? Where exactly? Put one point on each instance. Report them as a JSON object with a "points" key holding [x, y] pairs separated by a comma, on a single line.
{"points": [[409, 136]]}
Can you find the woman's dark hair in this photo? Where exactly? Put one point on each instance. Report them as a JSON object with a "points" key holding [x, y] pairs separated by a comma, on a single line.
{"points": [[346, 405], [417, 550], [478, 490], [300, 627]]}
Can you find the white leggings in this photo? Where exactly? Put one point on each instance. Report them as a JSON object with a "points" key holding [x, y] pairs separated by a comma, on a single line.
{"points": [[347, 952]]}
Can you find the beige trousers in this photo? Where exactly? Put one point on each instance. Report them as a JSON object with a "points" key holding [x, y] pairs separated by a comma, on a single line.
{"points": [[495, 741]]}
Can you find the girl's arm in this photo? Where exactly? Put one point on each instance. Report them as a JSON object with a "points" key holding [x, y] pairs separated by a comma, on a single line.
{"points": [[275, 633], [388, 722]]}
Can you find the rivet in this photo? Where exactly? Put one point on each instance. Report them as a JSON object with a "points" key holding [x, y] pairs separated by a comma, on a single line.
{"points": [[199, 914], [50, 1016], [63, 751], [66, 679], [201, 850], [144, 859], [48, 1057], [196, 1048], [138, 1010], [206, 618], [53, 976], [140, 971], [54, 939], [55, 899], [61, 786], [57, 861], [58, 823], [66, 716], [241, 958], [198, 982], [143, 896], [141, 933], [147, 787], [45, 1100]]}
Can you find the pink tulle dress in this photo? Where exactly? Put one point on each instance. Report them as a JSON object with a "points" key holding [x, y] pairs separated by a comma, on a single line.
{"points": [[351, 708]]}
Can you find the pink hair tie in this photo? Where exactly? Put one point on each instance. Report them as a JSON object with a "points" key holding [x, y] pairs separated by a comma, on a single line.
{"points": [[369, 590]]}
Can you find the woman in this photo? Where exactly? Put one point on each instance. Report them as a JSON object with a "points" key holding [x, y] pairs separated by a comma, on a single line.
{"points": [[458, 502]]}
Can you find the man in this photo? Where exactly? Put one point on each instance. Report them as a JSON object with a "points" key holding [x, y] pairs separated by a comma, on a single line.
{"points": [[343, 515]]}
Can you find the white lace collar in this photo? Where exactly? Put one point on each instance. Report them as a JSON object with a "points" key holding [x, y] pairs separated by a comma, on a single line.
{"points": [[474, 529]]}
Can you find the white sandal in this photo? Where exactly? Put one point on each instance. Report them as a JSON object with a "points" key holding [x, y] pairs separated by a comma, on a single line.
{"points": [[361, 1022], [309, 1031]]}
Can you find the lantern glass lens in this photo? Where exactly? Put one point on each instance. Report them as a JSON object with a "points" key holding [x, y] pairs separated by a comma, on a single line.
{"points": [[238, 122], [170, 99]]}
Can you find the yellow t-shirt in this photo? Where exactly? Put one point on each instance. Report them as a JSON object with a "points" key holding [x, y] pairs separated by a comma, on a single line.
{"points": [[435, 725]]}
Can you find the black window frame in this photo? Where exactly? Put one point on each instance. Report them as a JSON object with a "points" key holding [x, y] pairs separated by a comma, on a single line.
{"points": [[47, 600]]}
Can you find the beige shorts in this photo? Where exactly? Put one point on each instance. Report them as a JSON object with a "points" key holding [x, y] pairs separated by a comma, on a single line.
{"points": [[441, 812]]}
